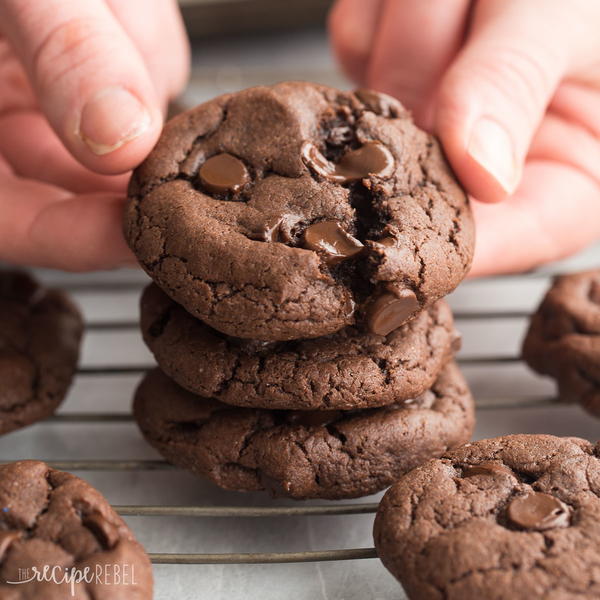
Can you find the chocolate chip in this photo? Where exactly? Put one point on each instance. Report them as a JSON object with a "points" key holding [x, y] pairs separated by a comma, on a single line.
{"points": [[389, 311], [6, 540], [380, 104], [538, 511], [223, 173], [328, 238], [276, 229], [371, 159], [268, 231], [487, 468], [316, 161], [313, 418]]}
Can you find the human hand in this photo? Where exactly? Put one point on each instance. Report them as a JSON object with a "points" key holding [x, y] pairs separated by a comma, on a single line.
{"points": [[512, 88], [83, 89]]}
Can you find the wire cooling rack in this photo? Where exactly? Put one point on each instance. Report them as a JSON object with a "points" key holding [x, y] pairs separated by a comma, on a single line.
{"points": [[492, 315], [257, 512]]}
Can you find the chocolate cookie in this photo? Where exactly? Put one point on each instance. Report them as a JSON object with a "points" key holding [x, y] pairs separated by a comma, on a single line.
{"points": [[345, 370], [54, 525], [291, 211], [516, 517], [563, 340], [40, 333], [303, 454]]}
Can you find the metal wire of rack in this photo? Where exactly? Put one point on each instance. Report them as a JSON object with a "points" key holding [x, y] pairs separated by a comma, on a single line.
{"points": [[191, 511], [235, 511]]}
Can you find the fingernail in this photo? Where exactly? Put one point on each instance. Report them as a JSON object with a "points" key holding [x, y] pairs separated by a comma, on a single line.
{"points": [[110, 119], [491, 146]]}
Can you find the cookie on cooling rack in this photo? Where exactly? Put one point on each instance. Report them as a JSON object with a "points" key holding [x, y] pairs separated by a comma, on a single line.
{"points": [[303, 454], [513, 517], [345, 370], [291, 211], [40, 334], [563, 340], [60, 525]]}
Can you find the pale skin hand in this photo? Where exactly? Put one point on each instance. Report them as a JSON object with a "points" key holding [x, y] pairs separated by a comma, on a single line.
{"points": [[512, 87], [84, 86]]}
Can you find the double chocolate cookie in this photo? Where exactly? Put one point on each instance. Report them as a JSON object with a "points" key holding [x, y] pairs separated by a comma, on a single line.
{"points": [[295, 210], [303, 454], [56, 525], [563, 340], [40, 334], [516, 517], [346, 370]]}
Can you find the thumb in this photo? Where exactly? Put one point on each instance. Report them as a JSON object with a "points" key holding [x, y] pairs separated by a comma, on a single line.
{"points": [[90, 80], [495, 94]]}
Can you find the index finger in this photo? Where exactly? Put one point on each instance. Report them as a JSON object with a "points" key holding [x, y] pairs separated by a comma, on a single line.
{"points": [[89, 78]]}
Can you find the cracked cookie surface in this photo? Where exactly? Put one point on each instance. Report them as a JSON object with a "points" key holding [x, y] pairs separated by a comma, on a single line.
{"points": [[563, 340], [40, 335], [53, 519], [510, 518], [291, 211], [345, 370], [303, 454]]}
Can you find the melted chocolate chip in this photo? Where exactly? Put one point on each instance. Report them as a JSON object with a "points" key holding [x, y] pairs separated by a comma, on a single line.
{"points": [[537, 511], [267, 231], [328, 238], [313, 418], [487, 468], [223, 173], [389, 311], [371, 159], [276, 229], [6, 540], [316, 161]]}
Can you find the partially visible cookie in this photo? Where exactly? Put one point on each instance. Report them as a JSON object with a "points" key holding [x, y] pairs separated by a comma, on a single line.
{"points": [[516, 517], [563, 340], [291, 211], [346, 370], [59, 525], [40, 334], [303, 454]]}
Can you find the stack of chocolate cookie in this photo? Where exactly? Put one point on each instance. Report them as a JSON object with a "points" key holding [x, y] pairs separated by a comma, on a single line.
{"points": [[300, 239]]}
